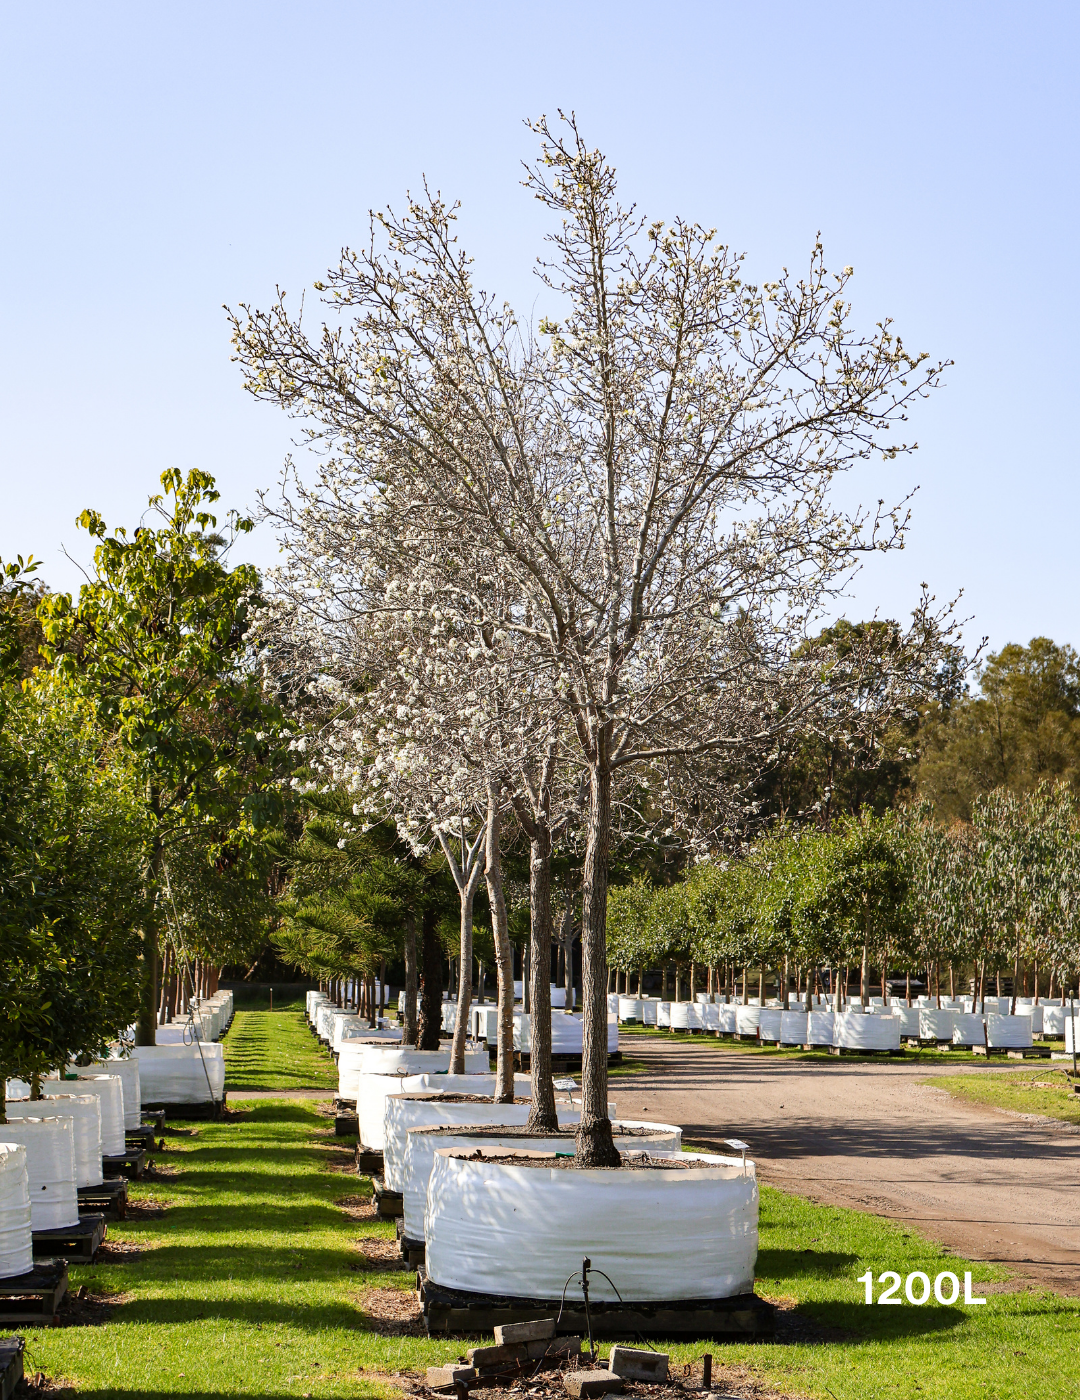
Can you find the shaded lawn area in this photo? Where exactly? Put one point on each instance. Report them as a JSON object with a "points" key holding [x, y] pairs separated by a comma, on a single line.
{"points": [[1045, 1091], [253, 1280], [275, 1050]]}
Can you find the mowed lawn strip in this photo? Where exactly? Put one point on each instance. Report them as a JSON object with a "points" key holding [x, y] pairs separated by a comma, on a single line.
{"points": [[275, 1050], [1045, 1091]]}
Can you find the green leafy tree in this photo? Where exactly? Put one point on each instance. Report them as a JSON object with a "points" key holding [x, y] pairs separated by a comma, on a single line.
{"points": [[159, 639]]}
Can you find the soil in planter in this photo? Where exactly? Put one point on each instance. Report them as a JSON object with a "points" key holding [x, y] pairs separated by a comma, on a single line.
{"points": [[493, 1130], [549, 1160], [434, 1096]]}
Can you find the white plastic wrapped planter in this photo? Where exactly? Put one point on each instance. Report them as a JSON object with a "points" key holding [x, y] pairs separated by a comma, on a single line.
{"points": [[631, 1010], [1008, 1032], [728, 1019], [483, 1084], [375, 1089], [353, 1060], [84, 1110], [16, 1238], [663, 1013], [935, 1024], [666, 1231], [967, 1029], [908, 1016], [108, 1090], [770, 1027], [405, 1111], [50, 1168], [711, 1016], [558, 997], [695, 1015], [747, 1020], [567, 1033], [174, 1075], [1072, 1028], [613, 1002], [820, 1028], [128, 1071], [1053, 1026], [423, 1141], [794, 1028], [1036, 1015], [853, 1030], [680, 1015], [649, 1008]]}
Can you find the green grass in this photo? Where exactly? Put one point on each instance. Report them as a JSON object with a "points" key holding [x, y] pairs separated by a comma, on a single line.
{"points": [[252, 1281], [275, 1050], [1044, 1091]]}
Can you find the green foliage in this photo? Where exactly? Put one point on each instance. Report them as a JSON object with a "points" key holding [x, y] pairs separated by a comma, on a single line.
{"points": [[72, 835], [1022, 728]]}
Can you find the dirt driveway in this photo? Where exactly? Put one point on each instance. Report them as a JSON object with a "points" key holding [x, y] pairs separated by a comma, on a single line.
{"points": [[869, 1135]]}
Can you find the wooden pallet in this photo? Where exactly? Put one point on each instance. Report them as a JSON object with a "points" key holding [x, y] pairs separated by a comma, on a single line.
{"points": [[346, 1125], [1027, 1052], [34, 1299], [844, 1050], [136, 1138], [561, 1064], [80, 1242], [412, 1251], [11, 1365], [369, 1160], [388, 1204], [205, 1111], [449, 1311], [131, 1164], [110, 1198]]}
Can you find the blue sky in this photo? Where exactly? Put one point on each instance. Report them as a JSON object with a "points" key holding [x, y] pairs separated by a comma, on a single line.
{"points": [[159, 161]]}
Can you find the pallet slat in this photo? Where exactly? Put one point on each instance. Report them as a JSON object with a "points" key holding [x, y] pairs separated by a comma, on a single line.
{"points": [[80, 1241], [34, 1299]]}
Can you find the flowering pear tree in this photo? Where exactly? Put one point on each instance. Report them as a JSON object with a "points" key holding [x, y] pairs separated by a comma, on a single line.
{"points": [[649, 476]]}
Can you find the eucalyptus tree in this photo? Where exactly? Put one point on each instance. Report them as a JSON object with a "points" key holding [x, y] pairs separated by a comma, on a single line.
{"points": [[650, 476]]}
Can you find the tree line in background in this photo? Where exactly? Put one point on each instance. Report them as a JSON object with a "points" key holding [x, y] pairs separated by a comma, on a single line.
{"points": [[544, 627]]}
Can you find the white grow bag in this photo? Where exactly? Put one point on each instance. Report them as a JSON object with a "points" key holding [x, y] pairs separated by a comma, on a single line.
{"points": [[1036, 1015], [853, 1030], [680, 1015], [484, 1022], [374, 1089], [794, 1028], [566, 1033], [1072, 1028], [50, 1169], [967, 1028], [424, 1141], [16, 1242], [728, 1018], [937, 1025], [404, 1111], [820, 1027], [631, 1010], [84, 1110], [908, 1016], [747, 1019], [711, 1015], [663, 1013], [462, 1084], [659, 1233], [1053, 1025], [108, 1089], [1008, 1032], [130, 1079], [649, 1008], [175, 1074], [771, 1024]]}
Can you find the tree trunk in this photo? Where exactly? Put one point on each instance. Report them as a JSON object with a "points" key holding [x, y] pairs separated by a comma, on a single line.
{"points": [[864, 971], [542, 1114], [595, 1147], [431, 988], [464, 996], [146, 1026], [786, 1001], [1016, 975], [504, 956], [567, 940], [745, 987], [409, 1035]]}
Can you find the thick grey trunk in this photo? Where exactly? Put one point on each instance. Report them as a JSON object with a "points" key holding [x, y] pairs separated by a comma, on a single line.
{"points": [[542, 1114], [410, 1030], [567, 940], [504, 957], [595, 1146]]}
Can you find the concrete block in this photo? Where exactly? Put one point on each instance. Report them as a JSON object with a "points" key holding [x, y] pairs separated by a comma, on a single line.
{"points": [[583, 1385], [447, 1375], [636, 1364], [555, 1349], [524, 1331], [496, 1356]]}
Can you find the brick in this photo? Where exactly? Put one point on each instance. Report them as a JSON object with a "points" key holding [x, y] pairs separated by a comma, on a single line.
{"points": [[583, 1385], [496, 1356], [447, 1375], [556, 1347], [524, 1331], [634, 1364]]}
